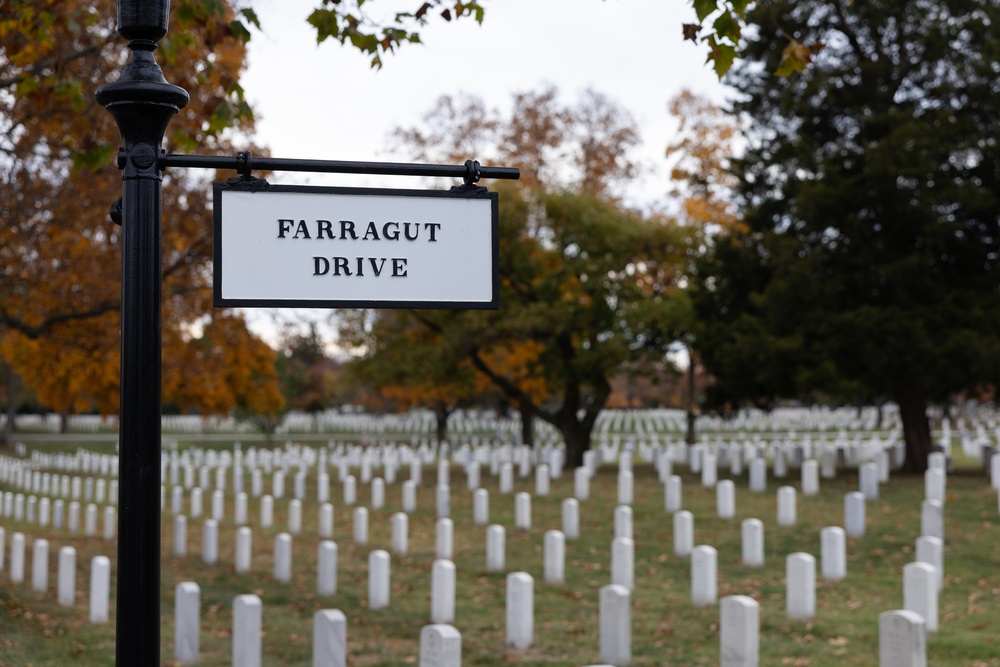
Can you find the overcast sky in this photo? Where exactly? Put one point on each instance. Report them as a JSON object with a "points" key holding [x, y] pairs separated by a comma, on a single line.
{"points": [[325, 102]]}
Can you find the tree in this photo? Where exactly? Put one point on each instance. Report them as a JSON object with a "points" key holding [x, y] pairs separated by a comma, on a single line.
{"points": [[870, 259], [307, 373], [59, 268]]}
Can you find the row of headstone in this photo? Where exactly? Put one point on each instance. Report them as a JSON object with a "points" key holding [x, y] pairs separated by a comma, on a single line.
{"points": [[44, 513], [100, 573]]}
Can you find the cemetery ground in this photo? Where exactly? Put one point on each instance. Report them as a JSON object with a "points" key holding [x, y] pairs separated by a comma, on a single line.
{"points": [[667, 629]]}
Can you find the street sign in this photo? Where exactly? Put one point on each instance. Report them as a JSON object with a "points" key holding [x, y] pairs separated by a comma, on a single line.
{"points": [[327, 247]]}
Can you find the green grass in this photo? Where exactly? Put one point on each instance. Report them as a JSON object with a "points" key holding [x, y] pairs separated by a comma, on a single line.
{"points": [[666, 628]]}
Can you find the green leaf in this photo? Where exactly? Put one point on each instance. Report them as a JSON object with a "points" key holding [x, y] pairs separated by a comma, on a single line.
{"points": [[251, 17], [722, 58], [327, 24], [702, 8], [728, 26]]}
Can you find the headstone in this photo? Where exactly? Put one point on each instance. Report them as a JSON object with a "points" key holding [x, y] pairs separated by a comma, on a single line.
{"points": [[244, 538], [625, 487], [833, 553], [522, 511], [581, 483], [480, 507], [868, 480], [542, 480], [350, 490], [401, 533], [360, 526], [930, 549], [100, 588], [932, 523], [934, 484], [683, 533], [623, 562], [66, 588], [409, 496], [187, 622], [780, 463], [920, 592], [90, 520], [442, 495], [496, 538], [440, 646], [329, 638], [443, 591], [326, 521], [247, 625], [672, 498], [739, 631], [444, 539], [240, 509], [854, 514], [40, 565], [278, 484], [810, 477], [210, 541], [554, 557], [623, 521], [758, 475], [995, 471], [473, 476], [615, 625], [74, 517], [282, 558], [709, 471], [180, 535], [752, 534], [800, 586], [704, 576], [506, 477], [218, 505], [520, 609], [266, 511], [902, 639], [378, 579], [295, 516], [725, 499], [571, 518], [786, 506], [326, 568]]}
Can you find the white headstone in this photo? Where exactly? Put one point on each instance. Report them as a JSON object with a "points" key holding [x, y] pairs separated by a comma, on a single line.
{"points": [[180, 535], [709, 471], [187, 622], [210, 541], [409, 496], [554, 557], [440, 646], [542, 480], [282, 558], [444, 539], [266, 511], [496, 538], [329, 638], [704, 576], [854, 514], [902, 639], [932, 523], [672, 494], [506, 477], [40, 565], [833, 553], [571, 518], [581, 483], [725, 499], [935, 484], [626, 491], [868, 480], [522, 510], [810, 477], [401, 533], [326, 521], [326, 568], [443, 591], [920, 592], [739, 631], [786, 506], [295, 516], [66, 589], [752, 534], [623, 562], [442, 497], [243, 555], [480, 507], [240, 509], [360, 526], [100, 588], [378, 579], [350, 490], [800, 586], [758, 475], [623, 521], [930, 549], [520, 609], [247, 625], [683, 533], [615, 625]]}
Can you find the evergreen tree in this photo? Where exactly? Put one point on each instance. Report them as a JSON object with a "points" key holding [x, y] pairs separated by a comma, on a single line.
{"points": [[870, 187]]}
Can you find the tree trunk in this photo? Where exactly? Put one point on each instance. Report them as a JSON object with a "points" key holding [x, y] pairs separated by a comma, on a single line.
{"points": [[441, 420], [916, 428], [577, 438], [527, 426], [691, 437]]}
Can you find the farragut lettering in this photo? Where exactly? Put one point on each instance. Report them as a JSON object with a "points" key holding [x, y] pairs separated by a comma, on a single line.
{"points": [[289, 228], [343, 266]]}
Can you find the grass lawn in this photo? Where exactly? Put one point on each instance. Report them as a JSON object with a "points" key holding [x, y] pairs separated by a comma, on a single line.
{"points": [[666, 628]]}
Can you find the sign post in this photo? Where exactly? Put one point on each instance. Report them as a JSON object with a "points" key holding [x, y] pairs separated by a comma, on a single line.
{"points": [[142, 103], [462, 221]]}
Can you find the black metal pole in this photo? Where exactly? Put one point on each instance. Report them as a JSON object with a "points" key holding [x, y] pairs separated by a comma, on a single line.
{"points": [[142, 103]]}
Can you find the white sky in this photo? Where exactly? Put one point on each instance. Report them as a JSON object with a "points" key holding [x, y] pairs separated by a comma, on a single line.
{"points": [[325, 102]]}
